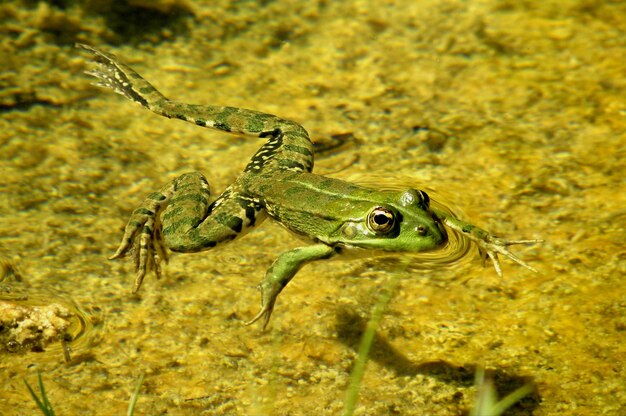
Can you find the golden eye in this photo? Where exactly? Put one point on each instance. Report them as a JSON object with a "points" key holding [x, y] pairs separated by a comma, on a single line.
{"points": [[380, 220]]}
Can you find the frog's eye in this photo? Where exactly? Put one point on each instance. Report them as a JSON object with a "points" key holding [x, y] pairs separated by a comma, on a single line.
{"points": [[415, 197], [380, 220], [425, 198]]}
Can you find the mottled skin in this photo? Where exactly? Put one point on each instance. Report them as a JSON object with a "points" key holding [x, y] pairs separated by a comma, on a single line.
{"points": [[277, 182]]}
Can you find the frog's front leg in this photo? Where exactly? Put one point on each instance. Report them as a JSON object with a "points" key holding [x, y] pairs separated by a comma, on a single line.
{"points": [[282, 271], [488, 245]]}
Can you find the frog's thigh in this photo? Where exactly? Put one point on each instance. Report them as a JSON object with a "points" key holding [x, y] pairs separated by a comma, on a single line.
{"points": [[191, 224]]}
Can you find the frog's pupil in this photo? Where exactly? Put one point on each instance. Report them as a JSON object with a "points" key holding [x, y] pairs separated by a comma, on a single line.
{"points": [[381, 219]]}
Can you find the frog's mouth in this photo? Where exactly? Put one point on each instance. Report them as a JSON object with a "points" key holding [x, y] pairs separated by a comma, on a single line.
{"points": [[441, 227]]}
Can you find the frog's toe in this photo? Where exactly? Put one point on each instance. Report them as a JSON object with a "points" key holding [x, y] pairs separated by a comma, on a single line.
{"points": [[496, 262], [141, 273], [512, 242], [499, 246], [121, 250], [520, 261], [264, 314], [147, 259]]}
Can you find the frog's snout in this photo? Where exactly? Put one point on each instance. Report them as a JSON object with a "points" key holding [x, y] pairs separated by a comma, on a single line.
{"points": [[437, 231]]}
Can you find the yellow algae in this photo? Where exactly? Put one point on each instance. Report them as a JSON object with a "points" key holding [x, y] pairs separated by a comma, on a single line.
{"points": [[513, 113]]}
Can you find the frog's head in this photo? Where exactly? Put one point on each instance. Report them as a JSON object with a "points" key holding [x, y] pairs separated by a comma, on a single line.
{"points": [[403, 221]]}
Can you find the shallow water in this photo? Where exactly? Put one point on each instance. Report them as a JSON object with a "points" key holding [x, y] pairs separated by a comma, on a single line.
{"points": [[512, 113]]}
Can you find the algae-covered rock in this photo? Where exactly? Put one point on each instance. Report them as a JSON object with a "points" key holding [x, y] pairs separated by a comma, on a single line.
{"points": [[26, 328]]}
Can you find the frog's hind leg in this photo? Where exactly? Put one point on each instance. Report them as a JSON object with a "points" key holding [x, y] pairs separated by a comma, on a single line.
{"points": [[122, 79], [190, 225], [287, 146], [143, 234], [179, 217]]}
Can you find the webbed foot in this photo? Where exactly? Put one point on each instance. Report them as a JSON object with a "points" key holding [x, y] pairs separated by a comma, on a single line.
{"points": [[489, 246], [143, 238]]}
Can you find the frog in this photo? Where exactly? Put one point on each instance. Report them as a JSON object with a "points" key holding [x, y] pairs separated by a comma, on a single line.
{"points": [[333, 215]]}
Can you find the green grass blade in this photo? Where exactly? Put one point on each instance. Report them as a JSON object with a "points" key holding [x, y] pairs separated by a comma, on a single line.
{"points": [[43, 404], [512, 398], [34, 396], [134, 397], [486, 402], [44, 396], [352, 395]]}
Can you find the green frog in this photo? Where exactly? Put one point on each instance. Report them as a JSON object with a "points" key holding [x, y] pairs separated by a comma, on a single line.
{"points": [[277, 182]]}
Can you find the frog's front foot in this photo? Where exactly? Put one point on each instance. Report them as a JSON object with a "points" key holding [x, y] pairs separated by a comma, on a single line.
{"points": [[490, 246], [268, 299], [282, 271], [143, 238]]}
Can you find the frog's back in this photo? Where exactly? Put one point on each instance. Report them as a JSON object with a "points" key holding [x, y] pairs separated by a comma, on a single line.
{"points": [[311, 204]]}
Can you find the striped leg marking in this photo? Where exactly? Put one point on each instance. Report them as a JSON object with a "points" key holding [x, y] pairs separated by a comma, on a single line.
{"points": [[144, 231], [179, 217]]}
